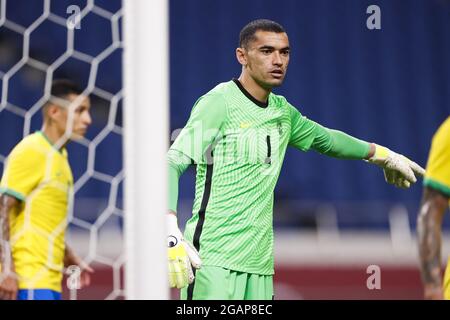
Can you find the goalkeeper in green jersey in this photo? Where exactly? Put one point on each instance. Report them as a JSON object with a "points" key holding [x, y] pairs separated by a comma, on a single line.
{"points": [[237, 135]]}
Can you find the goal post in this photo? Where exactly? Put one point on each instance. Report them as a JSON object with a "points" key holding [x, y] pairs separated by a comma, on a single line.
{"points": [[146, 105]]}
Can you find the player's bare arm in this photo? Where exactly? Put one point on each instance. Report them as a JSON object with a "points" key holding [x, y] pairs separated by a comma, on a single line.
{"points": [[429, 225], [8, 282]]}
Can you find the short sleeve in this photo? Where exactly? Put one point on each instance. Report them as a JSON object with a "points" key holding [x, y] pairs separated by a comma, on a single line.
{"points": [[437, 174], [23, 172]]}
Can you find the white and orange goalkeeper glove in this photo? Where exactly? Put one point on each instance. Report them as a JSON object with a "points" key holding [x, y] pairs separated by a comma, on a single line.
{"points": [[398, 169], [182, 256]]}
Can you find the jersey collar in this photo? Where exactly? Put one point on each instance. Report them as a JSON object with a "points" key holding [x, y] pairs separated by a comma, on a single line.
{"points": [[41, 133], [249, 96]]}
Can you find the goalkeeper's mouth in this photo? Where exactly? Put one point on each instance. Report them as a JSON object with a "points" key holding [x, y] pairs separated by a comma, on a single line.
{"points": [[277, 73]]}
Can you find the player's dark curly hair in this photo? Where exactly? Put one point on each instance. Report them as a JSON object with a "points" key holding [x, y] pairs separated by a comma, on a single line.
{"points": [[247, 33]]}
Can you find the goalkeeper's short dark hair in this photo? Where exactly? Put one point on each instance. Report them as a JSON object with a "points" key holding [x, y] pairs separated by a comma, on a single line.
{"points": [[247, 33]]}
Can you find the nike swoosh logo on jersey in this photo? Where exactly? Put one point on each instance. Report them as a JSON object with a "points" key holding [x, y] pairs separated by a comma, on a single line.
{"points": [[245, 125]]}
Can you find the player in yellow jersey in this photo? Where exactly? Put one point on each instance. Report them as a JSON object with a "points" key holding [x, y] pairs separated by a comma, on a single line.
{"points": [[35, 191], [435, 202]]}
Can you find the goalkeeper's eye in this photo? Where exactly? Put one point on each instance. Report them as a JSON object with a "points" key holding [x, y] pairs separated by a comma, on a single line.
{"points": [[171, 241]]}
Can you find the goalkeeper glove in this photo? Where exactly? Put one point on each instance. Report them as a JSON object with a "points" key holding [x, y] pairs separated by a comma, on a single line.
{"points": [[398, 169], [181, 255]]}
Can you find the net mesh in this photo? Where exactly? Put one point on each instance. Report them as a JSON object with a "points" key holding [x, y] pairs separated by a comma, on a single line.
{"points": [[80, 40]]}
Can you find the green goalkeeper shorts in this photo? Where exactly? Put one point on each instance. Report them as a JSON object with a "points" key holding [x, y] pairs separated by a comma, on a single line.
{"points": [[216, 283]]}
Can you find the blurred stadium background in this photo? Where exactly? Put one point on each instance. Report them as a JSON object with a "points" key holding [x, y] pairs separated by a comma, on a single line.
{"points": [[332, 218]]}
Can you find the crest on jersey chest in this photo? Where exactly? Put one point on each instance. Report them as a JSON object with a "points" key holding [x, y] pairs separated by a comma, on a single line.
{"points": [[280, 128]]}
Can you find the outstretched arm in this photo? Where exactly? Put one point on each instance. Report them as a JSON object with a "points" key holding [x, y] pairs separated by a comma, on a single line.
{"points": [[429, 224], [307, 134], [8, 283]]}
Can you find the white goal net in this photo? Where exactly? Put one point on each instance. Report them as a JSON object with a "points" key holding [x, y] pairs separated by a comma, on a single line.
{"points": [[83, 41]]}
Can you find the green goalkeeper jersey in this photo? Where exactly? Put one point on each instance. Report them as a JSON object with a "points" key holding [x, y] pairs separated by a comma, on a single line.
{"points": [[238, 145]]}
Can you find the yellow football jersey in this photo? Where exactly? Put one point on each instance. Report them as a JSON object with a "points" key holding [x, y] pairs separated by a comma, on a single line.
{"points": [[437, 175], [39, 176], [447, 281]]}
